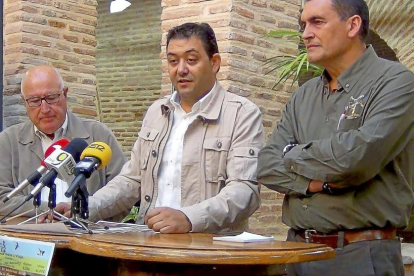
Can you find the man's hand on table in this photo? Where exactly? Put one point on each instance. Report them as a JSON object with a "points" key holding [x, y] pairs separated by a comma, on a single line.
{"points": [[168, 221]]}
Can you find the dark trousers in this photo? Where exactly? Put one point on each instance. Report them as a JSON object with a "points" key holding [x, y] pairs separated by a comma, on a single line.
{"points": [[366, 258]]}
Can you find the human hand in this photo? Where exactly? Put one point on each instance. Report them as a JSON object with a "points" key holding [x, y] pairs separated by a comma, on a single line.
{"points": [[315, 186], [168, 221], [63, 208]]}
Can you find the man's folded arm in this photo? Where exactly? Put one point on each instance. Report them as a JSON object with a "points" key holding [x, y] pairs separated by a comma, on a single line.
{"points": [[353, 157], [271, 168]]}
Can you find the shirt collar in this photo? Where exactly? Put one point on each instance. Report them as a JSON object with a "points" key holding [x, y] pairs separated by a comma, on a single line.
{"points": [[59, 133], [197, 107], [351, 75]]}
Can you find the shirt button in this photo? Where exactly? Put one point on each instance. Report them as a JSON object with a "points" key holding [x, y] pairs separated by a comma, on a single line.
{"points": [[154, 153], [305, 207], [347, 85], [292, 168], [327, 119], [147, 198], [251, 152], [148, 134], [219, 145]]}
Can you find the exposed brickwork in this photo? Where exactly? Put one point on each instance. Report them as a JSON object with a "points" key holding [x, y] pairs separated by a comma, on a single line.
{"points": [[50, 32], [394, 23], [128, 66]]}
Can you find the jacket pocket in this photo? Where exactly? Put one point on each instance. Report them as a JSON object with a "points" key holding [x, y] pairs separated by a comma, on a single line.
{"points": [[216, 151], [147, 136], [245, 162], [349, 124]]}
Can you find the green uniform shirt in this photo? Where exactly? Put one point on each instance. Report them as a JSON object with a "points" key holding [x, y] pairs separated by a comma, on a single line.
{"points": [[360, 137]]}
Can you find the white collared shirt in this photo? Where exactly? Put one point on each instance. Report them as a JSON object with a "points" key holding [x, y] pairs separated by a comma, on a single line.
{"points": [[61, 186], [169, 175]]}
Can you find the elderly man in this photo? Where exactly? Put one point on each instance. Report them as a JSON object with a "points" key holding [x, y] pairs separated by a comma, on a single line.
{"points": [[22, 146], [193, 167], [343, 151]]}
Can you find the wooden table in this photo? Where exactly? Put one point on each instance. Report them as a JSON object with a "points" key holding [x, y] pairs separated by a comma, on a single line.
{"points": [[148, 253]]}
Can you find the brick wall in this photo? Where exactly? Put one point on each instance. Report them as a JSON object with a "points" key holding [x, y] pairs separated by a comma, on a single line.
{"points": [[128, 67], [59, 33], [394, 23]]}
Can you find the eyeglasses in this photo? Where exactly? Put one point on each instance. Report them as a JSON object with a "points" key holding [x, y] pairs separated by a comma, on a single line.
{"points": [[50, 99]]}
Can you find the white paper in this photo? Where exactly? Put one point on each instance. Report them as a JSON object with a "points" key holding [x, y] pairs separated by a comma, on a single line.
{"points": [[244, 237]]}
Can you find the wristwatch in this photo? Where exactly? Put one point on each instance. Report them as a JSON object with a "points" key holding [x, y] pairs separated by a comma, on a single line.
{"points": [[327, 189], [290, 146]]}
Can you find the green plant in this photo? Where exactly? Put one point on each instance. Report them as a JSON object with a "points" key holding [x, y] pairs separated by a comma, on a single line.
{"points": [[132, 216], [290, 66]]}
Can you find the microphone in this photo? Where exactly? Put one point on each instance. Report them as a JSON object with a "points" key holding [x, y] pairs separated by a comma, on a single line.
{"points": [[96, 156], [37, 174], [60, 164]]}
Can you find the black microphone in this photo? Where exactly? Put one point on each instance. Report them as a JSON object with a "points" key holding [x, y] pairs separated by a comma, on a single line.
{"points": [[61, 164]]}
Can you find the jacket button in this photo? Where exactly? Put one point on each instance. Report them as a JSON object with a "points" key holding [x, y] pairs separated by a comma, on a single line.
{"points": [[219, 145], [154, 153], [147, 198], [251, 152], [148, 134]]}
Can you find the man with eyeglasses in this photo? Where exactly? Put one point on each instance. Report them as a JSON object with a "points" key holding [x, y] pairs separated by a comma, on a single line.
{"points": [[22, 146]]}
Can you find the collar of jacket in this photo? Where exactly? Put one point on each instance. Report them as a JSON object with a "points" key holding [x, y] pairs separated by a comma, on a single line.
{"points": [[210, 112], [75, 129]]}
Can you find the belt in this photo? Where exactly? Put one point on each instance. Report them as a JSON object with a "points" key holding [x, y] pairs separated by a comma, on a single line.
{"points": [[343, 238]]}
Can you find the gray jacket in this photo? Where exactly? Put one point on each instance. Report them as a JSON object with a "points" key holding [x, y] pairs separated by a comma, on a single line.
{"points": [[21, 153]]}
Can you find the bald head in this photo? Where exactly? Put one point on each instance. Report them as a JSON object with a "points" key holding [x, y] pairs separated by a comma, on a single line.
{"points": [[45, 96], [41, 73]]}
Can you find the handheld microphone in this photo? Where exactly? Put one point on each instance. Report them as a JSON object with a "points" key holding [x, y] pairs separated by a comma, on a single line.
{"points": [[37, 174], [96, 156], [61, 164]]}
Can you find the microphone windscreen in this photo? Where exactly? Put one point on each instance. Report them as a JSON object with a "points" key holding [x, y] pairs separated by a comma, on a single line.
{"points": [[75, 148], [98, 150], [62, 143]]}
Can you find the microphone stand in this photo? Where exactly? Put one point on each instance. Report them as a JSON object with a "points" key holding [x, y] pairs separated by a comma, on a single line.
{"points": [[37, 200], [51, 205], [80, 207]]}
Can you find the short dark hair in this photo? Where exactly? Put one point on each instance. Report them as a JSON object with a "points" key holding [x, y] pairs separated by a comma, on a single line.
{"points": [[348, 8], [203, 31]]}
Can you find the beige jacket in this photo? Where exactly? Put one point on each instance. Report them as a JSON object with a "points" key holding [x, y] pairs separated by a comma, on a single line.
{"points": [[21, 152], [219, 189]]}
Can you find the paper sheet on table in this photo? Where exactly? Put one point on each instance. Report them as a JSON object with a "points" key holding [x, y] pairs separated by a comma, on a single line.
{"points": [[244, 237]]}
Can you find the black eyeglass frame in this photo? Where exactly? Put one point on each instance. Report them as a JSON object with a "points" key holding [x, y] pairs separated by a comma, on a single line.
{"points": [[46, 98]]}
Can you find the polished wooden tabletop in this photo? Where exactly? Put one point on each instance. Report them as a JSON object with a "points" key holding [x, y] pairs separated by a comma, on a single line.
{"points": [[192, 248]]}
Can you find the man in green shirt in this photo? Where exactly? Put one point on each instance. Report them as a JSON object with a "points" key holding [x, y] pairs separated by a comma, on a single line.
{"points": [[343, 151]]}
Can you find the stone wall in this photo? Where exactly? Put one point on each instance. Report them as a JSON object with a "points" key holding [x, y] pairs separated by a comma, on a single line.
{"points": [[128, 67]]}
